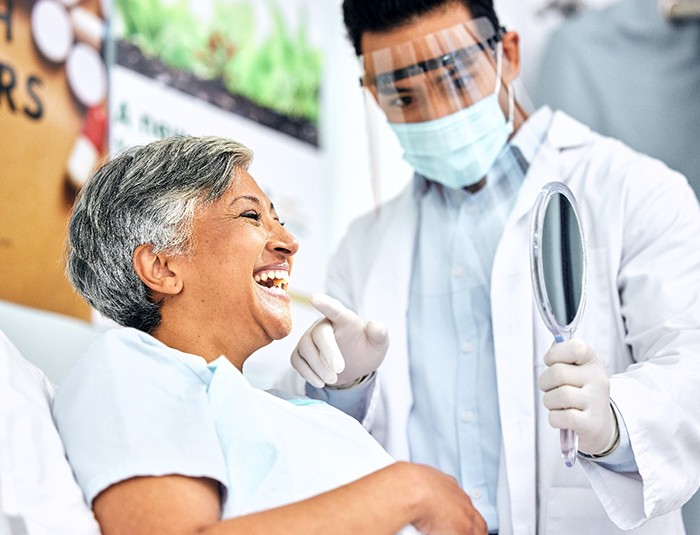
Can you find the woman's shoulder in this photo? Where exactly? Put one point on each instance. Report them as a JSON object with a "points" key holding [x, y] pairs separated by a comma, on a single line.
{"points": [[128, 359]]}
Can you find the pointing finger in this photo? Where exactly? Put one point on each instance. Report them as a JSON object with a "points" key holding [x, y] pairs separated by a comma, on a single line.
{"points": [[333, 309], [327, 346]]}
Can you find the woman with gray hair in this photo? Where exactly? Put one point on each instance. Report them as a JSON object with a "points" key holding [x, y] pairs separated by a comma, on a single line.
{"points": [[176, 242]]}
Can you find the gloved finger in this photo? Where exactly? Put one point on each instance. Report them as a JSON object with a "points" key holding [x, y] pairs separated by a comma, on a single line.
{"points": [[377, 334], [565, 397], [327, 346], [309, 350], [559, 374], [565, 419], [570, 352], [306, 372], [333, 309]]}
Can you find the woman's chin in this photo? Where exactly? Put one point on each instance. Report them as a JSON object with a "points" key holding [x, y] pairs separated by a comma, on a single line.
{"points": [[278, 321], [280, 331]]}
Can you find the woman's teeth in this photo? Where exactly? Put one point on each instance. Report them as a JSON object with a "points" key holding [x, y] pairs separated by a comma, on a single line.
{"points": [[273, 279]]}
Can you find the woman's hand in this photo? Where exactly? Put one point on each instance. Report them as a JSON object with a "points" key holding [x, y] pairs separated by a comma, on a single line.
{"points": [[442, 507]]}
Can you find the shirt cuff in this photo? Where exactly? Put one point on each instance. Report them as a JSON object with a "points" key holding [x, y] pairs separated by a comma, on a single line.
{"points": [[621, 459], [353, 400]]}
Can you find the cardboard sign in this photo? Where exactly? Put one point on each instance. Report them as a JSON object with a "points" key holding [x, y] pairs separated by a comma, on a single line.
{"points": [[41, 118]]}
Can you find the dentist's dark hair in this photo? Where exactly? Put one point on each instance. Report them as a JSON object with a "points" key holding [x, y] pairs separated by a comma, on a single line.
{"points": [[145, 195], [362, 16]]}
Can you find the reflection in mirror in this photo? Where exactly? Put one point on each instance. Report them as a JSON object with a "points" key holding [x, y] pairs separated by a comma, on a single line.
{"points": [[558, 269], [562, 260]]}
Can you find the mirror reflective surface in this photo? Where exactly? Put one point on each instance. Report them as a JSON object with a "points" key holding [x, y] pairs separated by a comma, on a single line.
{"points": [[558, 269]]}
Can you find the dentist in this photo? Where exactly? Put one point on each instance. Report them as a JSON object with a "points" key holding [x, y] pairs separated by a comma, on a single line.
{"points": [[471, 383]]}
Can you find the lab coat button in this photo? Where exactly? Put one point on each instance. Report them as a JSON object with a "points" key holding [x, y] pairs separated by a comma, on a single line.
{"points": [[467, 347], [476, 494], [467, 416], [457, 271]]}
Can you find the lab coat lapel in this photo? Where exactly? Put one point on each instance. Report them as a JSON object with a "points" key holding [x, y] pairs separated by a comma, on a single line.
{"points": [[514, 317], [511, 303], [386, 296]]}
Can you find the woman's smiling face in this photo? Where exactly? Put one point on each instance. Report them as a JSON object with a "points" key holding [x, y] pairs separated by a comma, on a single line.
{"points": [[235, 280]]}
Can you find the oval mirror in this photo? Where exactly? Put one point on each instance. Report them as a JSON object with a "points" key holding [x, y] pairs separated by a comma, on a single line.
{"points": [[558, 269]]}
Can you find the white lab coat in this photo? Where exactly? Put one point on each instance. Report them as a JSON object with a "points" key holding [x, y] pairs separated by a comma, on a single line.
{"points": [[642, 230]]}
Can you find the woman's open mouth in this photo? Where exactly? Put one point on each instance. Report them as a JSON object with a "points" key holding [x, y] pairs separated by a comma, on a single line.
{"points": [[275, 279]]}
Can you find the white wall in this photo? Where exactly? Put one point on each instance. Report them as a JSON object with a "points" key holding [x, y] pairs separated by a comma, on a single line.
{"points": [[344, 136]]}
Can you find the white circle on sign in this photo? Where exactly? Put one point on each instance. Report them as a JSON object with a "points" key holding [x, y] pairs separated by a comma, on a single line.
{"points": [[106, 8], [52, 30], [87, 75]]}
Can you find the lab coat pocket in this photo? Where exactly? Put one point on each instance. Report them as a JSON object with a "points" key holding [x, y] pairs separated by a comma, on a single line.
{"points": [[576, 511]]}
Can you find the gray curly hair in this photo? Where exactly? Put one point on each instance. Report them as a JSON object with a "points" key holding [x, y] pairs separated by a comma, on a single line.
{"points": [[145, 195]]}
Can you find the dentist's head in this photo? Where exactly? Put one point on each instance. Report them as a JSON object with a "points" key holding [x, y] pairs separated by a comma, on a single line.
{"points": [[442, 71]]}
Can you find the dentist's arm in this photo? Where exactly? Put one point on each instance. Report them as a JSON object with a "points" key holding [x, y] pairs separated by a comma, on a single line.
{"points": [[340, 348]]}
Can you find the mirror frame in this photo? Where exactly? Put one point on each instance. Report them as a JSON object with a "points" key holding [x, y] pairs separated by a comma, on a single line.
{"points": [[561, 332]]}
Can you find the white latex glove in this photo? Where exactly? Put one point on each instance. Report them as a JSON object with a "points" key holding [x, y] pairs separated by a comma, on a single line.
{"points": [[339, 348], [577, 394]]}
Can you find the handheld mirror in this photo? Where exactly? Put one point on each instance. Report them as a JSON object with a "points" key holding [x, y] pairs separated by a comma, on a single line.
{"points": [[558, 269]]}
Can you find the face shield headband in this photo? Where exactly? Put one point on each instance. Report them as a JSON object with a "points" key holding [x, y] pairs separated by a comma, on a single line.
{"points": [[435, 75]]}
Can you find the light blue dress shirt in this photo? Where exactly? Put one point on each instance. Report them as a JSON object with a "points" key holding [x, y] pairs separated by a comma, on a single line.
{"points": [[454, 422]]}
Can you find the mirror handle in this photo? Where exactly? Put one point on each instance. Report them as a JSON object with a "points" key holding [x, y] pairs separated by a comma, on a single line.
{"points": [[569, 446], [568, 440]]}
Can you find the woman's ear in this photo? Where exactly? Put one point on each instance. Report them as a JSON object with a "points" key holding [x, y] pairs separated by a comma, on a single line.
{"points": [[511, 56], [155, 272]]}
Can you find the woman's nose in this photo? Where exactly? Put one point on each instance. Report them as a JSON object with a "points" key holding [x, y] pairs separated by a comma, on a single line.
{"points": [[284, 242]]}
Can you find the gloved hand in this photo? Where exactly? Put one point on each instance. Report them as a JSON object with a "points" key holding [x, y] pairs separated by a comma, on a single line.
{"points": [[577, 394], [339, 348]]}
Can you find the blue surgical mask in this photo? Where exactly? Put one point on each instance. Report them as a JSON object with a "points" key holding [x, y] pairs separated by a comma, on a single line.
{"points": [[458, 150]]}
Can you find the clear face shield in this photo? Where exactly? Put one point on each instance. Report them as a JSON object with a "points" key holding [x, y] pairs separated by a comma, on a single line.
{"points": [[437, 74]]}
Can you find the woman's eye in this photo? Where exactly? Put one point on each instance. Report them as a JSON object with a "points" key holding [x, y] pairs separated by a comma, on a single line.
{"points": [[251, 215]]}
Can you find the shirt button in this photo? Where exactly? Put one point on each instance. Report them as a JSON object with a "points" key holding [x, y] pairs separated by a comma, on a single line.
{"points": [[467, 416], [467, 347], [476, 494], [472, 208], [457, 271]]}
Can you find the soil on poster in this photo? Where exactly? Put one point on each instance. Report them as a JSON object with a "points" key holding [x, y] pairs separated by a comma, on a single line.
{"points": [[214, 92]]}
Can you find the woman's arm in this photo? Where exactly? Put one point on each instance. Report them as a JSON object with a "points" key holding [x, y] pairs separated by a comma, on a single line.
{"points": [[382, 502]]}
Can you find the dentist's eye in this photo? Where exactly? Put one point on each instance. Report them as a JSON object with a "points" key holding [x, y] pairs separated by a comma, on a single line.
{"points": [[402, 101]]}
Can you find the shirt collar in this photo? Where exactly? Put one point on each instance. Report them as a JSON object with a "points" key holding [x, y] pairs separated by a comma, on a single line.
{"points": [[531, 133]]}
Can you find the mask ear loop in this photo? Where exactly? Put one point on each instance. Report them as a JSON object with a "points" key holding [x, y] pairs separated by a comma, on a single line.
{"points": [[372, 146], [509, 88], [499, 66], [511, 104]]}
